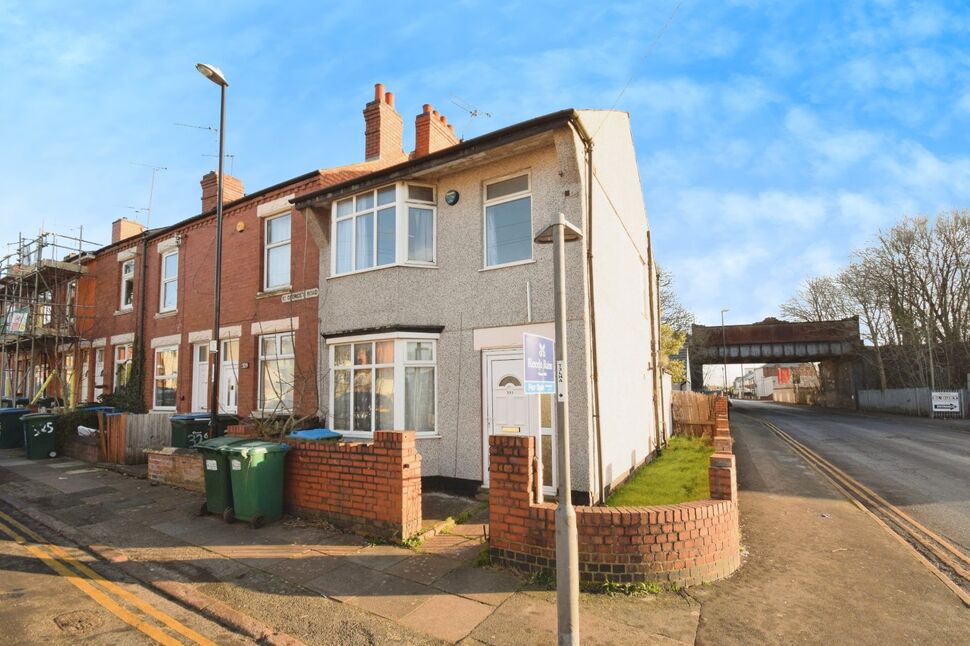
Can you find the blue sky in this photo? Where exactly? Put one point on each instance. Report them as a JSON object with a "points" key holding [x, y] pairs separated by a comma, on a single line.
{"points": [[773, 137]]}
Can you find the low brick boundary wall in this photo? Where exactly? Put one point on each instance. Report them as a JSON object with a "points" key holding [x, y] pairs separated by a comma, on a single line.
{"points": [[373, 488], [82, 448], [176, 467], [687, 544]]}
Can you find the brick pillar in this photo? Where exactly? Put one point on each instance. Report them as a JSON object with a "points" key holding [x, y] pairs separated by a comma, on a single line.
{"points": [[400, 452], [510, 489]]}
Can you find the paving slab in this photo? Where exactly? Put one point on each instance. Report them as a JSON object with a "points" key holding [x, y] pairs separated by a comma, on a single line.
{"points": [[308, 568], [349, 580], [424, 568], [463, 615], [490, 586], [394, 598], [380, 557]]}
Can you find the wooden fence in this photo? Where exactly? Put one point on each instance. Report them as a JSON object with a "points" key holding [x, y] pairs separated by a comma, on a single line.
{"points": [[693, 413], [123, 438]]}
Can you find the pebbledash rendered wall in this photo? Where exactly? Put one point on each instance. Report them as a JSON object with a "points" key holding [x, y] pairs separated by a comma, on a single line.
{"points": [[686, 544]]}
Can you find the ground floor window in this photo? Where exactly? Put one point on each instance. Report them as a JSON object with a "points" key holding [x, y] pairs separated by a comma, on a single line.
{"points": [[122, 366], [277, 372], [383, 384], [166, 377]]}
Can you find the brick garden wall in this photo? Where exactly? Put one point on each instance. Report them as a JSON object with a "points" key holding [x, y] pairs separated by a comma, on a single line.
{"points": [[689, 543], [176, 467], [81, 448], [372, 488]]}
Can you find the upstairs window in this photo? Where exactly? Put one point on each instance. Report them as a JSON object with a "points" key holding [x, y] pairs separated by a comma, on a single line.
{"points": [[276, 255], [386, 226], [127, 284], [508, 221], [170, 281]]}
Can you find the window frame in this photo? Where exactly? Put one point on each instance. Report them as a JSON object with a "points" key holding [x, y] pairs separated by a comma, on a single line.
{"points": [[156, 377], [400, 364], [511, 197], [281, 407], [163, 281], [267, 247], [125, 279], [116, 363], [401, 204]]}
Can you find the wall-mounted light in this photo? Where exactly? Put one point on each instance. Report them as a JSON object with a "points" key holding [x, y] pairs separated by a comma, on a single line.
{"points": [[451, 197]]}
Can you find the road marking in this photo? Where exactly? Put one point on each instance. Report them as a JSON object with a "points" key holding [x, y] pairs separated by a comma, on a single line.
{"points": [[900, 524], [101, 598]]}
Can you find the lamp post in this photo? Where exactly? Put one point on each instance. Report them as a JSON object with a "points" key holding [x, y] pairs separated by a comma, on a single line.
{"points": [[567, 552], [215, 75], [724, 346]]}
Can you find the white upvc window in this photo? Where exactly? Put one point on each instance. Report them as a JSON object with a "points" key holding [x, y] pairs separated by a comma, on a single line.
{"points": [[508, 221], [277, 372], [122, 369], [384, 383], [127, 285], [70, 303], [276, 252], [168, 297], [392, 225], [166, 377]]}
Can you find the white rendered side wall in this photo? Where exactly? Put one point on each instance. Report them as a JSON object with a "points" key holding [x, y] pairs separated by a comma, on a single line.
{"points": [[622, 306]]}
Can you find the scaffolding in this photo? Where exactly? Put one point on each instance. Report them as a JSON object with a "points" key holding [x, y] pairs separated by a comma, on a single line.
{"points": [[45, 312]]}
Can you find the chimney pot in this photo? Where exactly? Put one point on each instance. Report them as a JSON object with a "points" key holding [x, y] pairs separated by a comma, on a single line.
{"points": [[389, 98], [443, 119], [435, 113], [378, 91], [427, 108]]}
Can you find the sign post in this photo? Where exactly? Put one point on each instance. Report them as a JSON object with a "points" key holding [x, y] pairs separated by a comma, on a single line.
{"points": [[947, 402], [537, 353]]}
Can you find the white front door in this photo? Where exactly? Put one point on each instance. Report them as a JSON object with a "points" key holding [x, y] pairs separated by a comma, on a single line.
{"points": [[229, 377], [509, 410], [98, 372], [200, 377], [85, 358]]}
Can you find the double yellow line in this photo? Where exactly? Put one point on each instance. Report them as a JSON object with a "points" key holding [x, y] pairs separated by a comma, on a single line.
{"points": [[914, 535], [105, 593]]}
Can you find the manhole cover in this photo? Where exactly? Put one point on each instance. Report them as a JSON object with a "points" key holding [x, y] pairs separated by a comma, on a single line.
{"points": [[77, 622]]}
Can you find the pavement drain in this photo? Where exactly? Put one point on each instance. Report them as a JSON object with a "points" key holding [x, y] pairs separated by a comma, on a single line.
{"points": [[77, 622]]}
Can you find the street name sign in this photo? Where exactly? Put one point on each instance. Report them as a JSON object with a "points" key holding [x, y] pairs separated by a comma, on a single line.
{"points": [[538, 353], [946, 401]]}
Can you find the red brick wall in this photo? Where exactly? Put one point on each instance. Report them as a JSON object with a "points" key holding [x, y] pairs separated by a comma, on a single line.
{"points": [[177, 467], [81, 448], [687, 544], [373, 488]]}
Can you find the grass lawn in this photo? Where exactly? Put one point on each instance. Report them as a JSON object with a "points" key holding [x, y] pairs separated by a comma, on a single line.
{"points": [[678, 475]]}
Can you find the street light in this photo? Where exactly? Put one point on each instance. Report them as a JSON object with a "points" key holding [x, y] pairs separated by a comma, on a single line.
{"points": [[215, 75], [567, 552], [724, 346]]}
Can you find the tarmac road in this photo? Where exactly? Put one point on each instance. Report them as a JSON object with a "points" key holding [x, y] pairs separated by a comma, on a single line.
{"points": [[919, 465]]}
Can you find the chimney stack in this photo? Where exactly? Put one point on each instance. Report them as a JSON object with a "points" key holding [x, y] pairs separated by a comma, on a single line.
{"points": [[432, 132], [123, 228], [383, 129], [232, 189]]}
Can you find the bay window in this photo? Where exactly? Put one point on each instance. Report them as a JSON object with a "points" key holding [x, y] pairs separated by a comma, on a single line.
{"points": [[386, 226], [508, 221], [166, 376], [383, 384], [277, 371]]}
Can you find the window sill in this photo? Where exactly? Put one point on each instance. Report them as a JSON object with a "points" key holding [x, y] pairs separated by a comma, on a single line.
{"points": [[128, 310], [162, 410], [276, 291], [165, 315], [409, 265], [509, 264]]}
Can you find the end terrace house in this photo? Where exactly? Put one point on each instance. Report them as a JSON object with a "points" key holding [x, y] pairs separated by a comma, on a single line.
{"points": [[429, 277]]}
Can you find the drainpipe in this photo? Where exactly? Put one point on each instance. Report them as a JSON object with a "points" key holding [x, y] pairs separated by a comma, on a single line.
{"points": [[654, 288], [140, 327], [588, 235]]}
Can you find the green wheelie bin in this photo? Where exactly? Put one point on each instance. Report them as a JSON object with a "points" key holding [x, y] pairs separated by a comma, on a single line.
{"points": [[39, 436], [256, 472], [11, 428], [218, 488]]}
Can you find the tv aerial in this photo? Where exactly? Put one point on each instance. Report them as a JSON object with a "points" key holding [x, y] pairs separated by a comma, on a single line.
{"points": [[147, 211], [473, 113]]}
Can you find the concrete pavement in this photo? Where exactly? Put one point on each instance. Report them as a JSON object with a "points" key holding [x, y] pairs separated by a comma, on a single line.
{"points": [[311, 582], [919, 465], [817, 569]]}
